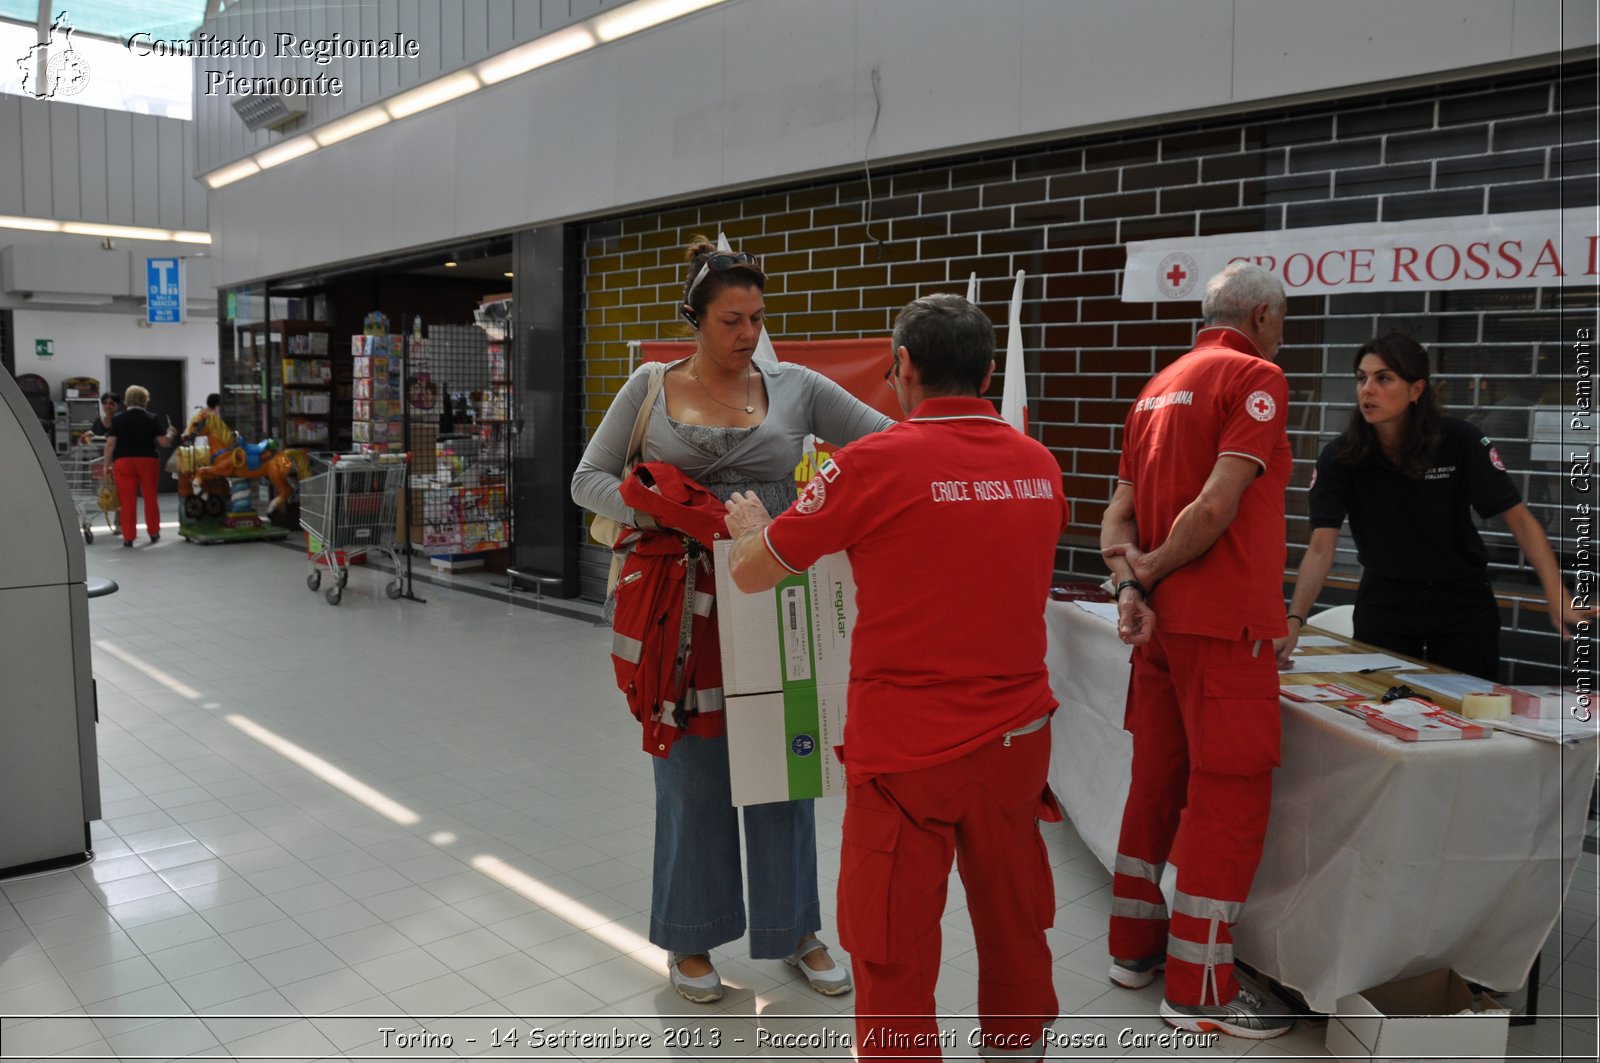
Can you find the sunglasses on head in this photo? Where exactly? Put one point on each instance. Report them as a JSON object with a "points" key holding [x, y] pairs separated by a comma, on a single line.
{"points": [[724, 261]]}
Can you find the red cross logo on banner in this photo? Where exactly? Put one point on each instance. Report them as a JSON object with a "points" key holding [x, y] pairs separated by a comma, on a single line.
{"points": [[1176, 275]]}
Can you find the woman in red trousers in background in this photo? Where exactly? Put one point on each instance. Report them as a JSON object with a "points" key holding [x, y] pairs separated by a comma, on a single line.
{"points": [[135, 463]]}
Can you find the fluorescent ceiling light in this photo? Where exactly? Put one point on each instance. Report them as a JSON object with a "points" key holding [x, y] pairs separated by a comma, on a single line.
{"points": [[345, 128], [643, 14], [288, 149], [432, 94], [229, 174], [610, 26], [43, 225], [68, 298], [534, 54], [85, 228], [190, 237]]}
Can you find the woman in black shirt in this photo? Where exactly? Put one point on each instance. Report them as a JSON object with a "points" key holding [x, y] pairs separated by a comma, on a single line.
{"points": [[1406, 476], [131, 443]]}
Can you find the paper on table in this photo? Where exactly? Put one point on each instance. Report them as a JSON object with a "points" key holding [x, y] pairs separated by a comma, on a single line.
{"points": [[1451, 684], [1104, 610], [1339, 663], [1321, 692], [1315, 641], [1554, 729]]}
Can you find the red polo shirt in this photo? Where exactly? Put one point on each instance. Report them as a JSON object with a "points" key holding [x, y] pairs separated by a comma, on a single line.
{"points": [[950, 519], [1220, 398]]}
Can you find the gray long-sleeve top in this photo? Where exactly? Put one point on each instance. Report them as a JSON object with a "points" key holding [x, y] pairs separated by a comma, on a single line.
{"points": [[800, 401]]}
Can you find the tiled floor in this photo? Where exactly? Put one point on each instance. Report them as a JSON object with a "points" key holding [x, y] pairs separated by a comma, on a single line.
{"points": [[320, 822]]}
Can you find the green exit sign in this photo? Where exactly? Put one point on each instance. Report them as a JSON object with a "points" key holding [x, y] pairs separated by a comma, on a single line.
{"points": [[44, 348]]}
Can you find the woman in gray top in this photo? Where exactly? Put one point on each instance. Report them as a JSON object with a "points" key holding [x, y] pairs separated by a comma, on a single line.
{"points": [[732, 424]]}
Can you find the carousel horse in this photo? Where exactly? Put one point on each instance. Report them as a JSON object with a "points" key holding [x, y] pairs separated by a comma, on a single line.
{"points": [[231, 458]]}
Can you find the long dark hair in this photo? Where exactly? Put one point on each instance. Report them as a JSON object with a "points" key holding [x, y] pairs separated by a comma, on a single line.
{"points": [[1408, 360]]}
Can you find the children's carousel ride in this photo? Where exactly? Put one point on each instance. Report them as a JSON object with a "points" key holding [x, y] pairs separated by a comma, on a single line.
{"points": [[217, 474]]}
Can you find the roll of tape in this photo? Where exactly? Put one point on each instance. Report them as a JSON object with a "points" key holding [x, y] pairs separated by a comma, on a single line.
{"points": [[1486, 706]]}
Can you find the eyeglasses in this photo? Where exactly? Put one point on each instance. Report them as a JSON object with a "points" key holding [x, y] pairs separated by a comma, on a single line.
{"points": [[721, 262], [894, 368], [1396, 693]]}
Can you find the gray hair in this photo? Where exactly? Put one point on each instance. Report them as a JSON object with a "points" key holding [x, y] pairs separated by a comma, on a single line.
{"points": [[1239, 289]]}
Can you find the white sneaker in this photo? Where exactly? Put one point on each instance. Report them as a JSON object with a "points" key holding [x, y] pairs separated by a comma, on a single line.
{"points": [[1246, 1015]]}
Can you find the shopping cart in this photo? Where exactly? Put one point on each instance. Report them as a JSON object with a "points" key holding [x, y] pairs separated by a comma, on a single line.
{"points": [[349, 509], [87, 473]]}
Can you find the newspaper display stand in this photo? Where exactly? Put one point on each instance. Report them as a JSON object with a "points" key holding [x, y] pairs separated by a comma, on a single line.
{"points": [[87, 472], [349, 509]]}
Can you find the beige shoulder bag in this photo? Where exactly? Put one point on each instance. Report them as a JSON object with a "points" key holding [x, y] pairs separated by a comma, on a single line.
{"points": [[605, 530]]}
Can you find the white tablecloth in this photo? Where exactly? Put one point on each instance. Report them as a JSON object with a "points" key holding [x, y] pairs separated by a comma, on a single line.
{"points": [[1383, 858]]}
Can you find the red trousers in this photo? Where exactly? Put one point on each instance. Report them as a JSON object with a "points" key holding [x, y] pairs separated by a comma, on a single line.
{"points": [[135, 477], [900, 831], [1205, 721]]}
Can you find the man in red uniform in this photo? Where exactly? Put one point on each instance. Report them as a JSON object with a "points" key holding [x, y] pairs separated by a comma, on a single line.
{"points": [[950, 520], [1194, 537]]}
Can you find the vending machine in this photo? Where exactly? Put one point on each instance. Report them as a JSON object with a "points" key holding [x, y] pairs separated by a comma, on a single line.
{"points": [[49, 775]]}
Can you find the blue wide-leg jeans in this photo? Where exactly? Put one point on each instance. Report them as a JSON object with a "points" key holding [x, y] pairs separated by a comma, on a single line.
{"points": [[696, 899]]}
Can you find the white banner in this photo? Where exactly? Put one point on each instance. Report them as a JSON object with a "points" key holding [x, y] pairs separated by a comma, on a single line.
{"points": [[1539, 248]]}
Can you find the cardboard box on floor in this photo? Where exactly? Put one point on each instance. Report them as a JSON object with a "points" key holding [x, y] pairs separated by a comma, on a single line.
{"points": [[785, 673], [1430, 1016]]}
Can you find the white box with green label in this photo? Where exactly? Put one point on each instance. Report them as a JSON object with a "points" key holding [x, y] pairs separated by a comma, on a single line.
{"points": [[785, 673]]}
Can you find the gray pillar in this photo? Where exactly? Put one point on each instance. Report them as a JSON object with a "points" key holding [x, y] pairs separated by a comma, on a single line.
{"points": [[549, 379]]}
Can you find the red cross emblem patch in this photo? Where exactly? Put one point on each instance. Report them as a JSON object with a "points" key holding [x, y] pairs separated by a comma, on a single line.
{"points": [[1261, 406], [1176, 275]]}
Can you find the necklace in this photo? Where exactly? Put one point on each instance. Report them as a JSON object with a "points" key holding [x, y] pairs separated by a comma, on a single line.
{"points": [[748, 407]]}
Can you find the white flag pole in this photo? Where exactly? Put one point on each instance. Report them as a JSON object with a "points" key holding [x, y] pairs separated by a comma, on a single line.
{"points": [[1014, 396]]}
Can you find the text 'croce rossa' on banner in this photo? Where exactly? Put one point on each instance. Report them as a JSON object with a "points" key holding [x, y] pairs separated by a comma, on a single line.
{"points": [[1531, 249]]}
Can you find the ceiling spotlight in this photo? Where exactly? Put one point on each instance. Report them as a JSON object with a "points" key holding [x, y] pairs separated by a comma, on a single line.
{"points": [[450, 265], [510, 274]]}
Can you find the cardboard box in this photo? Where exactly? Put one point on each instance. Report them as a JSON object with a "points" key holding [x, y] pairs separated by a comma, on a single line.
{"points": [[786, 674], [1430, 1016]]}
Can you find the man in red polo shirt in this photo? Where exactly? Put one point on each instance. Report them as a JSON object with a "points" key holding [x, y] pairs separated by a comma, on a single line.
{"points": [[950, 519], [1194, 537]]}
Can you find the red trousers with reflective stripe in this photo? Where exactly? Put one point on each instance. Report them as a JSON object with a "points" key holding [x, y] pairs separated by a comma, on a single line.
{"points": [[900, 832], [135, 477], [1205, 722]]}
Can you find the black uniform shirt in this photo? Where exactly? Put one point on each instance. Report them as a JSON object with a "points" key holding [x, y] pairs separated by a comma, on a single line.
{"points": [[137, 430], [1416, 529]]}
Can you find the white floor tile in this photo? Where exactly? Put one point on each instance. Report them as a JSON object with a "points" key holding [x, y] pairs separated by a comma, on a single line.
{"points": [[226, 869], [25, 968], [371, 942], [114, 979], [297, 964], [449, 994], [508, 974], [197, 957], [93, 952], [220, 985], [147, 910], [323, 993], [170, 933], [399, 970]]}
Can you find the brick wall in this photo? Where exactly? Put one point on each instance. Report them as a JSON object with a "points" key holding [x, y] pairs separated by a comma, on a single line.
{"points": [[841, 266]]}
